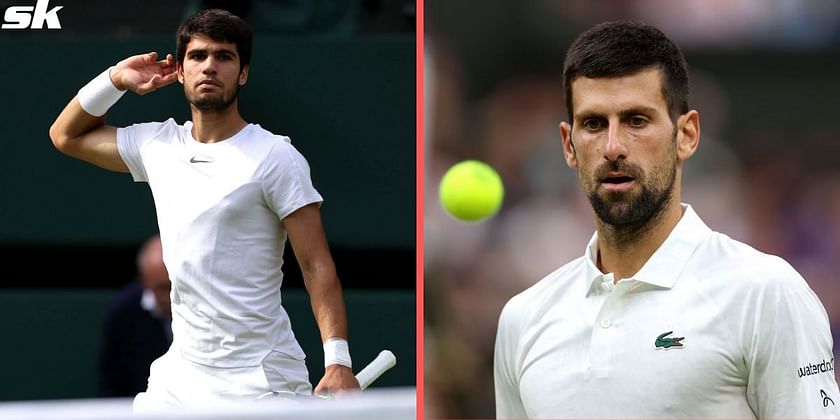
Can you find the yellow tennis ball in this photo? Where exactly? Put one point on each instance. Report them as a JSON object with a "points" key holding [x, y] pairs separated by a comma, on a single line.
{"points": [[471, 191]]}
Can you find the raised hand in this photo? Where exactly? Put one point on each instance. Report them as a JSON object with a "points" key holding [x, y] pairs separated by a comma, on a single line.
{"points": [[144, 73]]}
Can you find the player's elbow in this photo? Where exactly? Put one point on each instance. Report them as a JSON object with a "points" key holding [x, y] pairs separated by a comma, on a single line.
{"points": [[63, 140], [60, 139]]}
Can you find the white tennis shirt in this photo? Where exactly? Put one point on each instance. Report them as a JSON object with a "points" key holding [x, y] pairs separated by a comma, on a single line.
{"points": [[708, 328], [220, 208]]}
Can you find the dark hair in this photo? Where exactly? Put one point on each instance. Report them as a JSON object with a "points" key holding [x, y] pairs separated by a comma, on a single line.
{"points": [[615, 49], [221, 26]]}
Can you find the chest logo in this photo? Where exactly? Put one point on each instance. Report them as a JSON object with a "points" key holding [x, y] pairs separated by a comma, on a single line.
{"points": [[667, 342], [826, 399], [201, 159]]}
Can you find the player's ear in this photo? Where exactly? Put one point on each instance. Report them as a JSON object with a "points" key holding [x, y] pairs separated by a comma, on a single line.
{"points": [[688, 134], [179, 69], [243, 74], [568, 146]]}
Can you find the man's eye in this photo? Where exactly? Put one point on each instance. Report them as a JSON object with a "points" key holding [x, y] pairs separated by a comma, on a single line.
{"points": [[592, 124], [638, 122]]}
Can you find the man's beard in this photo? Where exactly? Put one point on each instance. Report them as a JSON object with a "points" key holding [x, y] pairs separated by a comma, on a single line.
{"points": [[631, 213], [213, 102]]}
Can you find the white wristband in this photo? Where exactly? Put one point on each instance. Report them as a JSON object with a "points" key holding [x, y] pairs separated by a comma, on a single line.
{"points": [[99, 94], [337, 352]]}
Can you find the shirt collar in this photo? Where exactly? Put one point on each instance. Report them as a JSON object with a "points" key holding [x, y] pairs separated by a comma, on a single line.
{"points": [[666, 263], [148, 302]]}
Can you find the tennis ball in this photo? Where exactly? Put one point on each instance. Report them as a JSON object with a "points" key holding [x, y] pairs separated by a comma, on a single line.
{"points": [[471, 191]]}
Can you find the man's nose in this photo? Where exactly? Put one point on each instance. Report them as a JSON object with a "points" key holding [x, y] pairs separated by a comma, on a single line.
{"points": [[616, 146], [209, 66]]}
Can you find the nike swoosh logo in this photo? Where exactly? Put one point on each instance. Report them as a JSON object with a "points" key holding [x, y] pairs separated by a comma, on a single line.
{"points": [[201, 159]]}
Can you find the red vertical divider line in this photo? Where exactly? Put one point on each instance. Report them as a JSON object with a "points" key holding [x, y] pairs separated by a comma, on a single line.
{"points": [[419, 201]]}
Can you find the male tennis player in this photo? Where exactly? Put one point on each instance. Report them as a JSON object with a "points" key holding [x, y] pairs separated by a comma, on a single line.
{"points": [[662, 317], [227, 195]]}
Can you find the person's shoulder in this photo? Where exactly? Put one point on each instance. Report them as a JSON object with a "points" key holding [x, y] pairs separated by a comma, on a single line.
{"points": [[751, 265], [258, 134], [537, 297], [272, 147], [169, 124], [157, 129], [560, 278]]}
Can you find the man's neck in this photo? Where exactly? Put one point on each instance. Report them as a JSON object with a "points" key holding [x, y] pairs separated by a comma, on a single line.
{"points": [[215, 126], [623, 254]]}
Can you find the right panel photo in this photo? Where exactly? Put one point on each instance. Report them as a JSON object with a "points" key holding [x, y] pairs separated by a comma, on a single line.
{"points": [[631, 210]]}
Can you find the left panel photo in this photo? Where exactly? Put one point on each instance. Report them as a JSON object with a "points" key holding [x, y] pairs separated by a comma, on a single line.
{"points": [[209, 207]]}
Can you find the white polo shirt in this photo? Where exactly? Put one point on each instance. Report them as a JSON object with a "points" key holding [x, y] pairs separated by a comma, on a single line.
{"points": [[220, 208], [708, 328]]}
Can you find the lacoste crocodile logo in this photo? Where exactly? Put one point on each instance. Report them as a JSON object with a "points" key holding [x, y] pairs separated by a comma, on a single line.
{"points": [[667, 343]]}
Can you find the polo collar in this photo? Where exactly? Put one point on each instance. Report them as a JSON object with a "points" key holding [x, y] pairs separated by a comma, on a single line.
{"points": [[148, 302], [666, 263]]}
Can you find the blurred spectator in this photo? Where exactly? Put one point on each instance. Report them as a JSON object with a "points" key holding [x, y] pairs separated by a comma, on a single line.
{"points": [[137, 328]]}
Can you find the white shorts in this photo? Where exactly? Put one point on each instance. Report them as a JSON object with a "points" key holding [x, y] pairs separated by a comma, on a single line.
{"points": [[176, 382]]}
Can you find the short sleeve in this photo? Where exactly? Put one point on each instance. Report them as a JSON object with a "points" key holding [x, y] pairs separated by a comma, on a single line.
{"points": [[789, 354], [130, 141], [508, 400], [287, 184]]}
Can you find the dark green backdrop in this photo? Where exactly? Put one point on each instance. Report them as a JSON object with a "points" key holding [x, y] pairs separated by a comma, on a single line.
{"points": [[347, 104]]}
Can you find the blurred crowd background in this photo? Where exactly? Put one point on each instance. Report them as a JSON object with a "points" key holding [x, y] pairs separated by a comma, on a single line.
{"points": [[337, 77], [764, 76]]}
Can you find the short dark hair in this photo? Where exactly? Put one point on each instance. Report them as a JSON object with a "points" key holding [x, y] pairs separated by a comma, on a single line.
{"points": [[615, 49], [221, 26]]}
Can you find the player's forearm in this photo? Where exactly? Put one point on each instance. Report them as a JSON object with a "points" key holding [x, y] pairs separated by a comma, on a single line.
{"points": [[328, 306], [327, 301]]}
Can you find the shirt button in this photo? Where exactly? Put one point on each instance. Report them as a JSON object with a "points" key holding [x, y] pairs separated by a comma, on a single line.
{"points": [[606, 286], [606, 323]]}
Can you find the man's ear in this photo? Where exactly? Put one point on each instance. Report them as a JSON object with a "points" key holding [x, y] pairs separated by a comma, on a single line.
{"points": [[243, 75], [568, 146], [179, 69], [688, 134]]}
